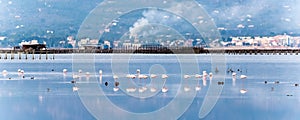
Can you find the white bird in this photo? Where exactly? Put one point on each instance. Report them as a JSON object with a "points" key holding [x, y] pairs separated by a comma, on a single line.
{"points": [[233, 74], [164, 89], [186, 76], [198, 76], [164, 76], [141, 76], [65, 71], [75, 76], [115, 77], [19, 72], [204, 74], [4, 72], [243, 91], [153, 89], [79, 71], [138, 71], [100, 72], [243, 76], [130, 90], [22, 73], [75, 89], [210, 74], [116, 89], [131, 76], [153, 76], [87, 74], [141, 90]]}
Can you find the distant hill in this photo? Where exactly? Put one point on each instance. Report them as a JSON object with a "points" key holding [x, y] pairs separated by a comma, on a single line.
{"points": [[54, 20]]}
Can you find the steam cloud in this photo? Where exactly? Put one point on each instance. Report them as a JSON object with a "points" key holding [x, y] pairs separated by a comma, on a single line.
{"points": [[152, 17]]}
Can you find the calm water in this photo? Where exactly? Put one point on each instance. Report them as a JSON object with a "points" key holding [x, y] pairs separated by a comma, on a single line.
{"points": [[49, 95]]}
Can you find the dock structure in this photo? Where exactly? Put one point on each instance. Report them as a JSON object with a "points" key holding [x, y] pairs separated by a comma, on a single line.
{"points": [[254, 51], [45, 53]]}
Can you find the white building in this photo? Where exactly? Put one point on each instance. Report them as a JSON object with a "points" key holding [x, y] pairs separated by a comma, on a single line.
{"points": [[107, 43]]}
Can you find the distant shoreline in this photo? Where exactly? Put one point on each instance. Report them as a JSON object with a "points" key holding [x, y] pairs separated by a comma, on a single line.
{"points": [[183, 50]]}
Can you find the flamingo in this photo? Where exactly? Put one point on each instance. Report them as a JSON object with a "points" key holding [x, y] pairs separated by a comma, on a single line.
{"points": [[141, 76], [115, 77], [204, 74], [164, 76], [243, 91], [75, 76], [75, 89], [130, 90], [19, 72], [142, 89], [186, 76], [243, 76], [4, 73], [153, 89], [153, 76], [233, 74], [131, 76], [22, 73], [65, 71], [138, 71], [198, 76], [87, 74], [164, 89], [210, 74], [79, 71]]}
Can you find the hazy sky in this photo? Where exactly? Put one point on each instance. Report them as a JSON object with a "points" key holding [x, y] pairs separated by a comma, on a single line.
{"points": [[268, 15]]}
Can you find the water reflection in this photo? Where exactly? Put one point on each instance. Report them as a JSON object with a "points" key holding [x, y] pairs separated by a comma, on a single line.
{"points": [[233, 81]]}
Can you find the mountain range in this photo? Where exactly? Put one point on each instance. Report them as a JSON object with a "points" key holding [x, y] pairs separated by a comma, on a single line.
{"points": [[54, 20]]}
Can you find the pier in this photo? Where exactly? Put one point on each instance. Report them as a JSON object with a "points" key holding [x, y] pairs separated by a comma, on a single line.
{"points": [[10, 54]]}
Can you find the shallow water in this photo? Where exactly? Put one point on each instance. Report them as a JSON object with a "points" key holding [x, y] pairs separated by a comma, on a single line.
{"points": [[46, 93]]}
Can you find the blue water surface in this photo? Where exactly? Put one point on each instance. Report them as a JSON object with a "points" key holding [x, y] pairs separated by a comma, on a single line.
{"points": [[46, 92]]}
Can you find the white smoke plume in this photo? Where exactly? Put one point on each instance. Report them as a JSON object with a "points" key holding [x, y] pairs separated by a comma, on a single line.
{"points": [[137, 27], [152, 17]]}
